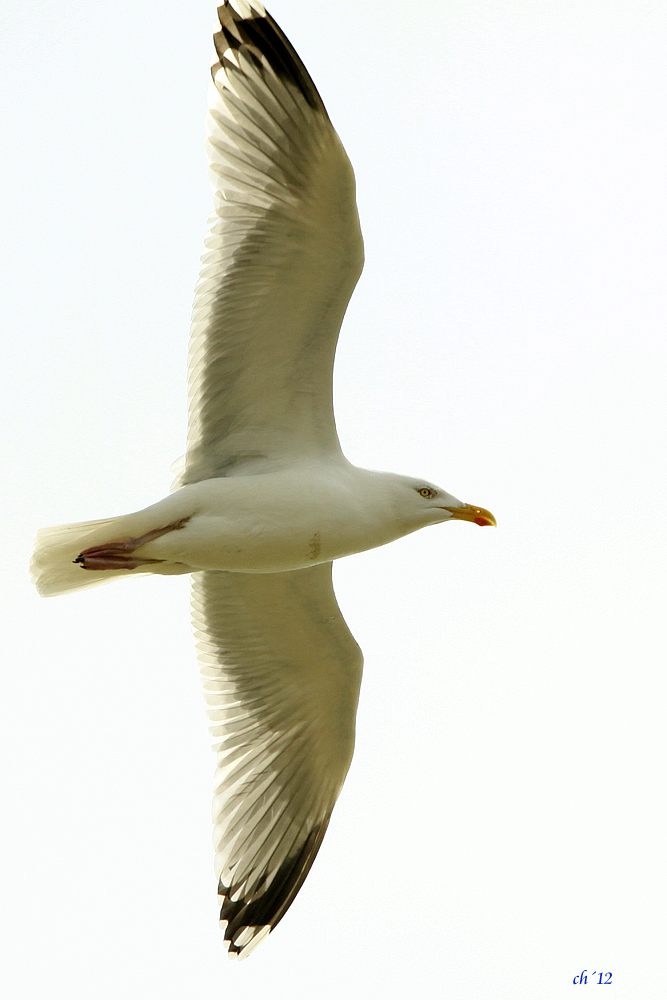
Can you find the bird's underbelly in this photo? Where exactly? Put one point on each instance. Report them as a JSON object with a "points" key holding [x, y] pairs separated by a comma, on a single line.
{"points": [[214, 543], [262, 524]]}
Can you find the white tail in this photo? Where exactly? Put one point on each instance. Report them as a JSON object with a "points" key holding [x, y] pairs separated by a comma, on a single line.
{"points": [[52, 566]]}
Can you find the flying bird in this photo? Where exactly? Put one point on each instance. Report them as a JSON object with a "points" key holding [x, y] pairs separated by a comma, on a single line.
{"points": [[265, 499]]}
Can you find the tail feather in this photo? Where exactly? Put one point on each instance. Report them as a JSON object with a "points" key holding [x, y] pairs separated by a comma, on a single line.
{"points": [[52, 566]]}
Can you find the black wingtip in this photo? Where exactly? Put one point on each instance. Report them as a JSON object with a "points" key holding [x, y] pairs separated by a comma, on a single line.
{"points": [[268, 904], [260, 32]]}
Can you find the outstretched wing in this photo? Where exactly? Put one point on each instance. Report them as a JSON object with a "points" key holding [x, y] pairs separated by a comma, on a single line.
{"points": [[281, 675], [282, 258]]}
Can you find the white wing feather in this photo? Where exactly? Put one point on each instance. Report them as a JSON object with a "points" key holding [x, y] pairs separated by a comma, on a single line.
{"points": [[281, 675], [284, 253]]}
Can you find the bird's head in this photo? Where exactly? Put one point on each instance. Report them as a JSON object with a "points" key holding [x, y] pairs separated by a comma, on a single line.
{"points": [[422, 503]]}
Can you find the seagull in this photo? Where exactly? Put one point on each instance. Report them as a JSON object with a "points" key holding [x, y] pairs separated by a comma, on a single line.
{"points": [[265, 500]]}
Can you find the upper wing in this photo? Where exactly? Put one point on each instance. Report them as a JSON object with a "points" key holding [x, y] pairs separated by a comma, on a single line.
{"points": [[281, 674], [283, 256]]}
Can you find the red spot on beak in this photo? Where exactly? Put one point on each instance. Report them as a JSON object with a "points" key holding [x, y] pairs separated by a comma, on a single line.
{"points": [[484, 518]]}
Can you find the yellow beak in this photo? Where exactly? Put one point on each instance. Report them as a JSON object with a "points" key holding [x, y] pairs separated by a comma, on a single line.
{"points": [[470, 513]]}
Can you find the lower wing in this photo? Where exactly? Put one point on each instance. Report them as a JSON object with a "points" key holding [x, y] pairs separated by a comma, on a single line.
{"points": [[281, 674]]}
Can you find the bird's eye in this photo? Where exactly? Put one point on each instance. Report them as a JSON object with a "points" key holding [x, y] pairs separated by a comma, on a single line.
{"points": [[426, 492]]}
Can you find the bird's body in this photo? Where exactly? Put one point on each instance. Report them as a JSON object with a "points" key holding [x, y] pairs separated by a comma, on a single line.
{"points": [[270, 522], [278, 521], [266, 500]]}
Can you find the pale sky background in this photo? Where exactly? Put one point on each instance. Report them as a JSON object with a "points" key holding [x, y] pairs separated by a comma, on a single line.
{"points": [[502, 825]]}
